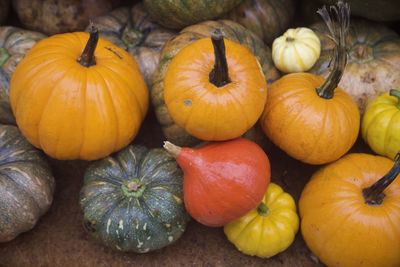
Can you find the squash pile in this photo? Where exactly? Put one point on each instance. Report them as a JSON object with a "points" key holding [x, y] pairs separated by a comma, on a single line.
{"points": [[215, 87]]}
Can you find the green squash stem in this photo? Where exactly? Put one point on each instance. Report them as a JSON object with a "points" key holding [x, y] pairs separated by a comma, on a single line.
{"points": [[4, 56], [87, 58], [337, 20], [262, 209], [374, 195], [133, 188], [396, 93], [219, 76]]}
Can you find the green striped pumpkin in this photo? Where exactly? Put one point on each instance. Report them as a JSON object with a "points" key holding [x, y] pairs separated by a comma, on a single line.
{"points": [[132, 30], [132, 201], [232, 31], [176, 14], [14, 43], [26, 184]]}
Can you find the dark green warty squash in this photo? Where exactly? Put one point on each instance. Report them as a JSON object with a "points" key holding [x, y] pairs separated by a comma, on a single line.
{"points": [[176, 14], [266, 18], [132, 30], [133, 200], [14, 43], [232, 31], [26, 184]]}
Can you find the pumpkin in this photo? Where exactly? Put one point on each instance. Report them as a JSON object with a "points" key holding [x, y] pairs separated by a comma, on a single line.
{"points": [[350, 216], [132, 30], [78, 105], [222, 180], [26, 184], [132, 200], [268, 229], [176, 14], [374, 56], [231, 31], [215, 89], [383, 10], [308, 117], [51, 17], [14, 43], [4, 8], [296, 50], [380, 126], [266, 18]]}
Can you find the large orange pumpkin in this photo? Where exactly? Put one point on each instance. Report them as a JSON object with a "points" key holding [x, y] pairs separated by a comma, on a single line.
{"points": [[350, 216], [310, 118], [74, 104], [215, 89]]}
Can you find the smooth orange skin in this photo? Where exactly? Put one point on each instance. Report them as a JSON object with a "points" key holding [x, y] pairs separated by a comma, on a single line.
{"points": [[76, 112], [209, 112], [336, 223], [223, 180], [306, 126]]}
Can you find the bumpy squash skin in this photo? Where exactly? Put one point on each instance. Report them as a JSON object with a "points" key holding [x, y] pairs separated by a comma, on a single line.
{"points": [[59, 16], [14, 44], [231, 31], [132, 30], [380, 126], [266, 18], [373, 60], [339, 227], [92, 111], [152, 219], [267, 230], [176, 14], [26, 184]]}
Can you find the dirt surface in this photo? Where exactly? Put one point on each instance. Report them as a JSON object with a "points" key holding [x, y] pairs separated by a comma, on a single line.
{"points": [[60, 240]]}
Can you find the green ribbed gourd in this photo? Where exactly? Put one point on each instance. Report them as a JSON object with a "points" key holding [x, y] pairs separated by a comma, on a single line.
{"points": [[132, 200], [14, 44], [26, 184]]}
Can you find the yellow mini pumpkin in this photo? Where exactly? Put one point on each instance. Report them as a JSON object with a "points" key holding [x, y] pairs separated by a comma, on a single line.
{"points": [[267, 230], [381, 124], [296, 50], [213, 94], [74, 104]]}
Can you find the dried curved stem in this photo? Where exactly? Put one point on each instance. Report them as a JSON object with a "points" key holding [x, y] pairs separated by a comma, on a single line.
{"points": [[219, 76]]}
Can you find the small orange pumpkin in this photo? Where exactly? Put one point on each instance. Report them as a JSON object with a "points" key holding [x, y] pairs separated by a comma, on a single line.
{"points": [[308, 117], [215, 95], [76, 105]]}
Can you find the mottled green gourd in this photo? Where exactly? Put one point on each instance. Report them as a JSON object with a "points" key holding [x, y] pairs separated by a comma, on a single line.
{"points": [[132, 201], [26, 184]]}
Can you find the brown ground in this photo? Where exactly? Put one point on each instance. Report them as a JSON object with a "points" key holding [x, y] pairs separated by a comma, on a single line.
{"points": [[59, 238]]}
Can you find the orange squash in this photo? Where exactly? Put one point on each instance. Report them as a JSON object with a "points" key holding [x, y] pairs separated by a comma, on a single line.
{"points": [[308, 117], [74, 104], [222, 180], [215, 89], [350, 216]]}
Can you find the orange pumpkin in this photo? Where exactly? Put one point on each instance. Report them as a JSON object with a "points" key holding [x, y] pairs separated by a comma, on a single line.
{"points": [[310, 118], [349, 216], [215, 89], [74, 104]]}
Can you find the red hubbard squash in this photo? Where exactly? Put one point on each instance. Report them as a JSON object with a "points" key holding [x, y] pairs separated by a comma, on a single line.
{"points": [[222, 180]]}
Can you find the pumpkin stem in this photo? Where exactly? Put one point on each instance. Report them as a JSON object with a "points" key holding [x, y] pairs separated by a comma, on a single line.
{"points": [[219, 75], [337, 20], [172, 149], [87, 58], [262, 209], [396, 93], [374, 195]]}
